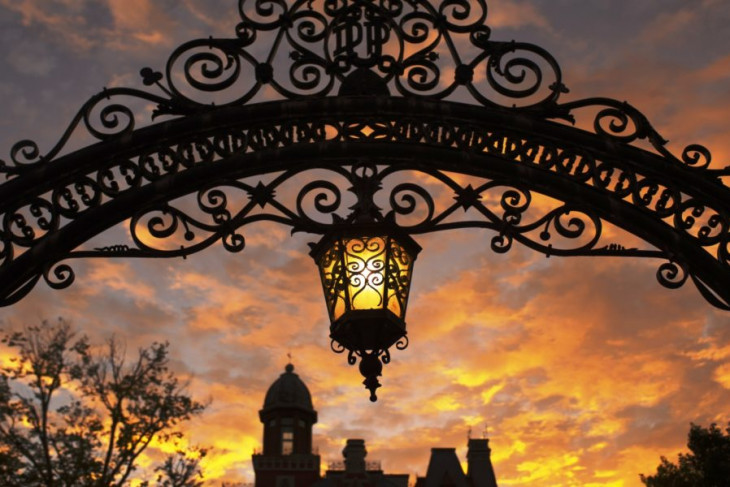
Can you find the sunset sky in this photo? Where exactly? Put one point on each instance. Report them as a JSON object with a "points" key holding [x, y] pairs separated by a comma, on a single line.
{"points": [[585, 370]]}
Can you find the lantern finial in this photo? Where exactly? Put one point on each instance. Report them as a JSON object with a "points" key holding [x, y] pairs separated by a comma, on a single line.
{"points": [[371, 368]]}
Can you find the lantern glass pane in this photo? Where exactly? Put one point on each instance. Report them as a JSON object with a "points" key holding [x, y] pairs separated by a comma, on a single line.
{"points": [[365, 266], [333, 277], [400, 264]]}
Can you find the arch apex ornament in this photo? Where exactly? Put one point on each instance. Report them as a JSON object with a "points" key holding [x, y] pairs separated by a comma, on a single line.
{"points": [[301, 49], [315, 107]]}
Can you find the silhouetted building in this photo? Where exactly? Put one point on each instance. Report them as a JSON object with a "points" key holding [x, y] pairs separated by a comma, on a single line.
{"points": [[288, 417], [354, 471], [444, 468], [287, 460]]}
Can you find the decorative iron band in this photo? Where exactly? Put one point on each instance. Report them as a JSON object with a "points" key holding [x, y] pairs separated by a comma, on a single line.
{"points": [[683, 217]]}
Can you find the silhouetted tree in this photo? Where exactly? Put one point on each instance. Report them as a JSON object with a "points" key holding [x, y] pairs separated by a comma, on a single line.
{"points": [[181, 469], [73, 417], [707, 464]]}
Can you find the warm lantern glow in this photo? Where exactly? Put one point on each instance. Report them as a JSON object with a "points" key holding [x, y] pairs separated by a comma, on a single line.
{"points": [[366, 275], [366, 280]]}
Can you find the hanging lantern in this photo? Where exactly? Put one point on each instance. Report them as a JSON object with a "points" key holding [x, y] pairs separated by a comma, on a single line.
{"points": [[366, 276]]}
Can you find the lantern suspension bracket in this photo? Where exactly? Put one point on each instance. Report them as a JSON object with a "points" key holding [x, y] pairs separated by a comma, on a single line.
{"points": [[366, 266]]}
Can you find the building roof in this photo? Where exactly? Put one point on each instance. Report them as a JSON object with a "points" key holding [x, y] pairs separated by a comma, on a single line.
{"points": [[288, 392], [444, 469]]}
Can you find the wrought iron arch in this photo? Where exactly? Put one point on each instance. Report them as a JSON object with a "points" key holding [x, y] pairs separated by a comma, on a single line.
{"points": [[338, 95]]}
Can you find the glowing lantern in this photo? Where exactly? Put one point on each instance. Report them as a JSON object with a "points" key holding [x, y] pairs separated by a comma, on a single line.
{"points": [[366, 276]]}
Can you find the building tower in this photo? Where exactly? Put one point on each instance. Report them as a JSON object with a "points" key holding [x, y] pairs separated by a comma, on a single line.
{"points": [[287, 418]]}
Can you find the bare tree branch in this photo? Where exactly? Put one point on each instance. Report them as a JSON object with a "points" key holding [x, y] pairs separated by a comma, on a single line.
{"points": [[95, 432]]}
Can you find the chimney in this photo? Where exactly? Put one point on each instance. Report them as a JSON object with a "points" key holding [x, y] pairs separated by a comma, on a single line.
{"points": [[479, 464], [355, 454]]}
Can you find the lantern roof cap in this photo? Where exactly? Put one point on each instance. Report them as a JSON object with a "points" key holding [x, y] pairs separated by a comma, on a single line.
{"points": [[385, 228]]}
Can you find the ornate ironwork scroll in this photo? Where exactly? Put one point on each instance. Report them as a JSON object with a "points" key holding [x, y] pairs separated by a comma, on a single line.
{"points": [[367, 90], [285, 49]]}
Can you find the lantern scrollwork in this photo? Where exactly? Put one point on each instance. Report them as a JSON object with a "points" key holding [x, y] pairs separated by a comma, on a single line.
{"points": [[366, 273]]}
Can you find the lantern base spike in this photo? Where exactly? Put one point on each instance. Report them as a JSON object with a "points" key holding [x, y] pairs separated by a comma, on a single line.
{"points": [[372, 384], [371, 362], [371, 368]]}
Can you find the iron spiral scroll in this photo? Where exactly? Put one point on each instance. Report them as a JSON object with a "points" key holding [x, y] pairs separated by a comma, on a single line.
{"points": [[368, 92]]}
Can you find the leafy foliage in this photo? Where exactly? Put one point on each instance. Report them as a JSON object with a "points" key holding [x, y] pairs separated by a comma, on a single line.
{"points": [[70, 416], [707, 464]]}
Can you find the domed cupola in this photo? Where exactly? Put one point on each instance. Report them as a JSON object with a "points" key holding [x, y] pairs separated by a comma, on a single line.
{"points": [[288, 416], [289, 393]]}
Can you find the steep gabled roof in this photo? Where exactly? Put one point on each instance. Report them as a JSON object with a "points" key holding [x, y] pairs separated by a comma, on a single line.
{"points": [[444, 469]]}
